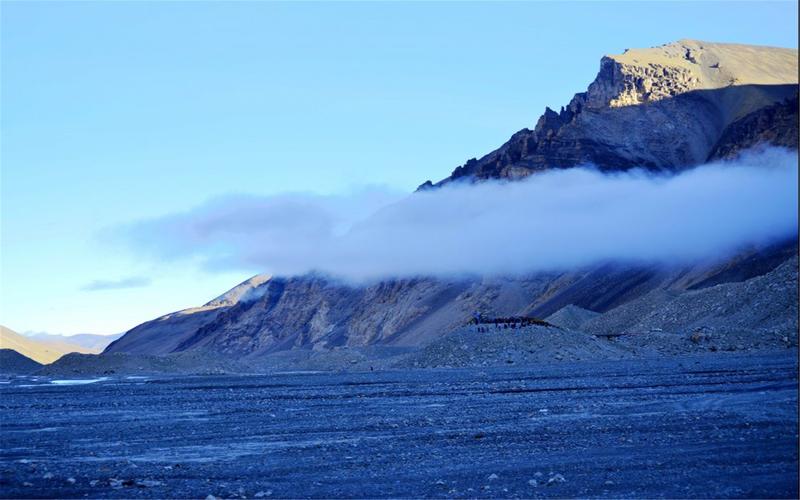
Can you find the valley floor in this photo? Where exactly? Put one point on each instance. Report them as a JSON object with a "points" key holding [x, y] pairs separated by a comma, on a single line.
{"points": [[693, 426]]}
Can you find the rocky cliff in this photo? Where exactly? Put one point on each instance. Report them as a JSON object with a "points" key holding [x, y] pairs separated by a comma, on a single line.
{"points": [[668, 107]]}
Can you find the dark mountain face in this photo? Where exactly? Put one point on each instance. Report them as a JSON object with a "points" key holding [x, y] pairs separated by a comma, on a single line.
{"points": [[775, 125], [14, 363], [665, 108], [638, 136]]}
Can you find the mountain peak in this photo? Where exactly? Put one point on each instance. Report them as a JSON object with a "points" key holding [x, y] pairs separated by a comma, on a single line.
{"points": [[661, 108]]}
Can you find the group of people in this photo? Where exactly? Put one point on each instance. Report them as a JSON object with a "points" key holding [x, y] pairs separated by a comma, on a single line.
{"points": [[485, 323]]}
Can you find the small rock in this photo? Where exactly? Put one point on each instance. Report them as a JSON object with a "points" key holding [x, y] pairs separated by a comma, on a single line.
{"points": [[48, 475], [609, 483], [71, 480], [538, 474], [492, 477], [556, 478], [533, 482], [94, 482], [148, 483], [211, 497], [262, 494], [115, 483], [440, 482], [27, 484]]}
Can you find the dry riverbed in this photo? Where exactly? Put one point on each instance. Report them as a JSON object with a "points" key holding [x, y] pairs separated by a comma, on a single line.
{"points": [[699, 426]]}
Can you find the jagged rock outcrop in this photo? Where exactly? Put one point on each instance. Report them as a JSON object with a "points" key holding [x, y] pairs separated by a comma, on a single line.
{"points": [[667, 107]]}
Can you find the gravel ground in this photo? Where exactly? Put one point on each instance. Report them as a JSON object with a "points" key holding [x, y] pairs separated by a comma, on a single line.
{"points": [[496, 346], [702, 426]]}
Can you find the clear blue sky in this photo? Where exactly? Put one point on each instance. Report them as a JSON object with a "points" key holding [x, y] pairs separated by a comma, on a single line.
{"points": [[114, 112]]}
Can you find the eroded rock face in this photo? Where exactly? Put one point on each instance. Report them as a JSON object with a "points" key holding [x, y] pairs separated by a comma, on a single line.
{"points": [[664, 108], [618, 84]]}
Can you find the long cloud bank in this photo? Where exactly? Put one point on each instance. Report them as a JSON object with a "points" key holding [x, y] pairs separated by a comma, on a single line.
{"points": [[553, 220]]}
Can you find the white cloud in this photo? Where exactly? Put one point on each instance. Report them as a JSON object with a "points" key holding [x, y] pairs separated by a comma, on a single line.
{"points": [[556, 219]]}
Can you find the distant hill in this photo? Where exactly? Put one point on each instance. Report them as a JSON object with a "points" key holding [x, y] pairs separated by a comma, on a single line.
{"points": [[14, 363], [42, 351], [92, 342]]}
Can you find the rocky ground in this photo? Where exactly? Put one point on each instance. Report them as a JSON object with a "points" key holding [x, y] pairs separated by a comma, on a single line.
{"points": [[696, 426], [499, 346]]}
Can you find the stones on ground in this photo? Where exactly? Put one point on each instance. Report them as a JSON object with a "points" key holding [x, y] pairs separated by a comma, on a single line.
{"points": [[493, 477], [556, 479], [115, 483], [533, 482], [262, 494], [71, 480], [148, 483]]}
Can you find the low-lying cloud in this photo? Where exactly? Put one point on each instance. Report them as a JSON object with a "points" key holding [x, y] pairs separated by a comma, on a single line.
{"points": [[132, 282], [553, 220]]}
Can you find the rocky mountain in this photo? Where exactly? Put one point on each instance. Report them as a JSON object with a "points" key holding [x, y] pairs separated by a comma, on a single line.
{"points": [[668, 107], [317, 313]]}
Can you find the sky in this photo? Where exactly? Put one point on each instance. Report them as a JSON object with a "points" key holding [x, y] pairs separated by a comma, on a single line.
{"points": [[118, 112]]}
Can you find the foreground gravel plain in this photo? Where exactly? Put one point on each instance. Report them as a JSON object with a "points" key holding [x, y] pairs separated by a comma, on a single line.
{"points": [[701, 426]]}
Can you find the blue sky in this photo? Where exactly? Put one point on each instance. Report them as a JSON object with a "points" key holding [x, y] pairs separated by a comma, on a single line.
{"points": [[116, 112]]}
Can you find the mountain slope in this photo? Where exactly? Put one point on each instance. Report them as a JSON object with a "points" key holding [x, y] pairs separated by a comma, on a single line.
{"points": [[313, 312], [14, 363], [164, 334]]}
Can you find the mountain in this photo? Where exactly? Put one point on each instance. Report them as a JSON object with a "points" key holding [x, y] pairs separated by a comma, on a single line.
{"points": [[668, 107], [42, 351], [166, 333], [14, 363], [665, 108], [318, 313], [87, 341]]}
